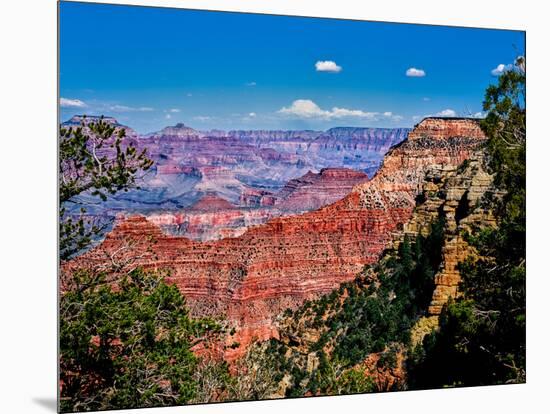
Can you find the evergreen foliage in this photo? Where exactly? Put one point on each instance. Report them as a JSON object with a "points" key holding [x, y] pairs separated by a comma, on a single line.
{"points": [[373, 314], [94, 161], [482, 336], [127, 346]]}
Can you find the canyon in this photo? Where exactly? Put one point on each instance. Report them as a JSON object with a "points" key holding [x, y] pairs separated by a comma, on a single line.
{"points": [[248, 279], [213, 217], [261, 175]]}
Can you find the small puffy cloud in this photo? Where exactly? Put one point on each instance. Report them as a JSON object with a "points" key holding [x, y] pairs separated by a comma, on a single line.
{"points": [[174, 110], [168, 116], [327, 66], [426, 99], [350, 113], [392, 116], [252, 114], [500, 69], [303, 108], [518, 65], [448, 113], [479, 115], [71, 103], [251, 83], [307, 109], [445, 113], [415, 73]]}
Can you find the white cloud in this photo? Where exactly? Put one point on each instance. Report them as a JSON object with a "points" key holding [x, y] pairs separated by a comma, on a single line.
{"points": [[500, 69], [189, 95], [304, 108], [168, 116], [392, 116], [307, 109], [327, 66], [124, 108], [479, 115], [252, 114], [448, 113], [71, 103], [174, 110], [251, 83], [426, 99], [415, 73], [445, 113]]}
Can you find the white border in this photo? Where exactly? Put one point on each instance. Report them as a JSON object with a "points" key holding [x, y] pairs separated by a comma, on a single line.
{"points": [[28, 208]]}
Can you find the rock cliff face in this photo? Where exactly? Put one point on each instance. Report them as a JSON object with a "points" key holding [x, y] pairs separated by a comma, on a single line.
{"points": [[309, 192], [252, 278], [455, 194], [211, 218]]}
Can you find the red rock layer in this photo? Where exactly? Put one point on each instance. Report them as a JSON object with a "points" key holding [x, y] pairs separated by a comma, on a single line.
{"points": [[212, 202], [252, 278], [211, 224], [308, 192], [313, 191]]}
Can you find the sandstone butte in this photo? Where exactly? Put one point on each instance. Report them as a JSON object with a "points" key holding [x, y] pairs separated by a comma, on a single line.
{"points": [[250, 279], [308, 192]]}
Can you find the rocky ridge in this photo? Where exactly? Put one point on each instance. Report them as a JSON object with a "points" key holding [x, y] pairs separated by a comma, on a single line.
{"points": [[309, 192]]}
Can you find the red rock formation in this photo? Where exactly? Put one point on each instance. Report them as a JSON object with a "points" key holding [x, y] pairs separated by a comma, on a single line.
{"points": [[308, 192], [209, 223], [211, 202], [252, 278], [252, 197], [313, 191], [213, 217]]}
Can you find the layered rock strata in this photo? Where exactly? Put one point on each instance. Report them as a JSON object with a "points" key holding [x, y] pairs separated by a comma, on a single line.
{"points": [[188, 163], [213, 217], [313, 191], [454, 194], [251, 278]]}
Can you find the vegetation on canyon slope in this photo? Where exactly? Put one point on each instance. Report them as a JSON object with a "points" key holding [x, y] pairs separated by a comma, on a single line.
{"points": [[482, 336], [128, 344], [371, 315]]}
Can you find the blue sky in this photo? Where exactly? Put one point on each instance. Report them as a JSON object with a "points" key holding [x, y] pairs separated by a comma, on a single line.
{"points": [[152, 67]]}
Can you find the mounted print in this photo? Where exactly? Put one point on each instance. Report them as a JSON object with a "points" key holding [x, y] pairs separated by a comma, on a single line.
{"points": [[260, 206]]}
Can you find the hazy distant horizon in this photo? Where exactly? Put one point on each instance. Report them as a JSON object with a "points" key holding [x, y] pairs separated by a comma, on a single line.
{"points": [[191, 125]]}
